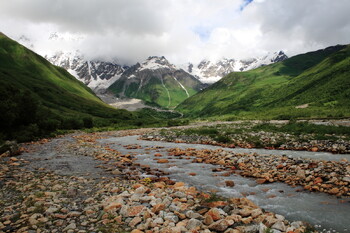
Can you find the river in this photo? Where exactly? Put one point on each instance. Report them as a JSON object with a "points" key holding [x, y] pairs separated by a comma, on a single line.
{"points": [[325, 212]]}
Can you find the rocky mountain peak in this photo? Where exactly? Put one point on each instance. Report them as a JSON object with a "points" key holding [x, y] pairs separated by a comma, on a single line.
{"points": [[211, 71], [156, 62], [98, 75]]}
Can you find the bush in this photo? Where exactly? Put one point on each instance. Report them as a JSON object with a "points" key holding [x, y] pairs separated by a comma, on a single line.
{"points": [[88, 122]]}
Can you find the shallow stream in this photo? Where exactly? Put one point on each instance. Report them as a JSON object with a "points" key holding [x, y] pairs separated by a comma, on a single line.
{"points": [[321, 210]]}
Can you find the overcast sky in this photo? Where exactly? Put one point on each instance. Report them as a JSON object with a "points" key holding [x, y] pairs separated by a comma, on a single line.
{"points": [[181, 30]]}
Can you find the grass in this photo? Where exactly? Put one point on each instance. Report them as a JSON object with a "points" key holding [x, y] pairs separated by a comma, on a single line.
{"points": [[276, 133], [155, 87], [319, 79], [38, 100]]}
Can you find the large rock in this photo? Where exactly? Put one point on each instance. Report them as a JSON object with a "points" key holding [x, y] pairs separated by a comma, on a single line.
{"points": [[301, 173], [220, 225], [214, 213], [193, 224], [279, 226], [11, 147]]}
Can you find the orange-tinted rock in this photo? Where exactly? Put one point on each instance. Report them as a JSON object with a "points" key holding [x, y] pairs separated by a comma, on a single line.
{"points": [[192, 174], [214, 213], [157, 208], [216, 204], [135, 210], [135, 221], [220, 225], [158, 155], [334, 191], [136, 231], [163, 161], [314, 149], [318, 180], [178, 185], [247, 220], [160, 185], [208, 220], [261, 181], [113, 206]]}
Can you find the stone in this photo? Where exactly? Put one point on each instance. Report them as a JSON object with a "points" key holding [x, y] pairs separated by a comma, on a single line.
{"points": [[158, 221], [74, 214], [33, 220], [113, 206], [256, 212], [71, 226], [157, 208], [261, 181], [51, 210], [334, 191], [279, 226], [180, 194], [220, 225], [72, 192], [214, 213], [229, 183], [136, 231], [245, 212], [346, 179], [208, 220], [135, 221], [191, 214], [163, 161], [135, 210], [301, 173], [247, 220], [141, 190], [193, 224], [270, 220], [171, 218]]}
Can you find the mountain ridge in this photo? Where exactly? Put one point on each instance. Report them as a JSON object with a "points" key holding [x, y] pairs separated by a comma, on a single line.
{"points": [[276, 90], [156, 81], [209, 71]]}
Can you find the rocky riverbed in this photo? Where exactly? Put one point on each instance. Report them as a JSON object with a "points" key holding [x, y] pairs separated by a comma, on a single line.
{"points": [[74, 184], [322, 176], [241, 134]]}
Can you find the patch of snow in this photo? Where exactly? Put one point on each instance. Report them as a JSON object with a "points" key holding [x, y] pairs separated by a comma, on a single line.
{"points": [[74, 73], [131, 76], [209, 80], [182, 87], [167, 92]]}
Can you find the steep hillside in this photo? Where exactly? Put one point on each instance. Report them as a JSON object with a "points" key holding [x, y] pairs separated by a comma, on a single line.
{"points": [[157, 82], [98, 75], [314, 84], [37, 97]]}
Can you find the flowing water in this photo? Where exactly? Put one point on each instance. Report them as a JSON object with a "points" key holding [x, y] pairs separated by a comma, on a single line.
{"points": [[324, 211]]}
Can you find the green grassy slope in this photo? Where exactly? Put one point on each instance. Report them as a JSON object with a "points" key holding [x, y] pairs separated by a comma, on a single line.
{"points": [[154, 92], [159, 87], [37, 97], [320, 79]]}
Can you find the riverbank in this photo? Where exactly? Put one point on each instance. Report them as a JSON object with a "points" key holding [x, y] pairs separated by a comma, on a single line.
{"points": [[74, 184], [327, 136]]}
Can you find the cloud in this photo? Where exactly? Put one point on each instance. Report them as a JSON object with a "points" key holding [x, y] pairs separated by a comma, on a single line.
{"points": [[181, 30]]}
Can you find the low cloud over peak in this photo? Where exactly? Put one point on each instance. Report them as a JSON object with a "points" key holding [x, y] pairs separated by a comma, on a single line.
{"points": [[181, 30]]}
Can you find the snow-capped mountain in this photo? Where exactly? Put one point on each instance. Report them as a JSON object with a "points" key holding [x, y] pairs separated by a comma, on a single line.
{"points": [[156, 81], [210, 72], [98, 75]]}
